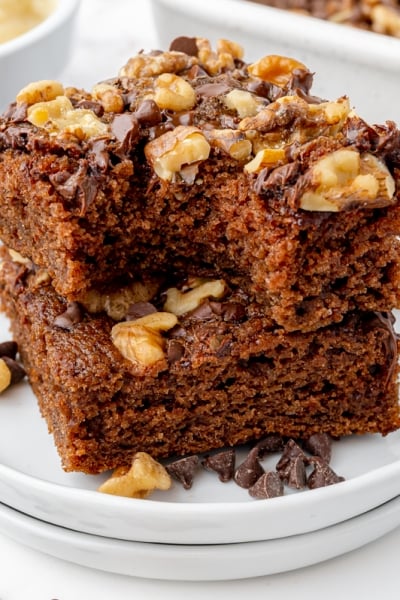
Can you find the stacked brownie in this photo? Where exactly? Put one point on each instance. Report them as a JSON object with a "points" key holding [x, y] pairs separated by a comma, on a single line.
{"points": [[198, 253]]}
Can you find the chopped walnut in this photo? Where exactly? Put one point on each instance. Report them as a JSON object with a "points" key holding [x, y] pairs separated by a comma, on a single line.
{"points": [[172, 92], [275, 69], [140, 341], [244, 102], [59, 116], [231, 141], [151, 65], [224, 57], [117, 303], [109, 97], [346, 179], [181, 302], [40, 91], [168, 153], [140, 480]]}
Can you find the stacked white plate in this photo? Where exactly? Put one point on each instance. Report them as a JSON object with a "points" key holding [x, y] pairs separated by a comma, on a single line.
{"points": [[213, 531]]}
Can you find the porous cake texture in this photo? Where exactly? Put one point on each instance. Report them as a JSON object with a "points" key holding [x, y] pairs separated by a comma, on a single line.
{"points": [[193, 159], [193, 368]]}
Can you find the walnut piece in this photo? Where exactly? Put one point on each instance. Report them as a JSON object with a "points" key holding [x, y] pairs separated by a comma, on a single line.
{"points": [[140, 480], [59, 116], [275, 69], [180, 302], [40, 91], [109, 97], [231, 141], [344, 179], [172, 92], [243, 102], [291, 119], [116, 303], [268, 157], [140, 341], [168, 153], [5, 375], [151, 65], [224, 57], [385, 19]]}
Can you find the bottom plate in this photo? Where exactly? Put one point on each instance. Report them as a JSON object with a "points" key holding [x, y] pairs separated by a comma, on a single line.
{"points": [[200, 562]]}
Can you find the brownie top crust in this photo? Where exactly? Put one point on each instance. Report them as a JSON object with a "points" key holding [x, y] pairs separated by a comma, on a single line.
{"points": [[173, 111]]}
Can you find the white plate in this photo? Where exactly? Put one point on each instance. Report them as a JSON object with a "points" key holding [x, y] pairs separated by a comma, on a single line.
{"points": [[190, 563], [32, 481]]}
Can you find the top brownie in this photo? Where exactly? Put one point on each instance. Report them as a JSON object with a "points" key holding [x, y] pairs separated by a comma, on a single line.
{"points": [[192, 160]]}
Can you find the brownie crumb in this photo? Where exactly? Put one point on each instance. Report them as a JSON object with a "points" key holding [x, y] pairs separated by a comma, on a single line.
{"points": [[223, 463], [184, 469]]}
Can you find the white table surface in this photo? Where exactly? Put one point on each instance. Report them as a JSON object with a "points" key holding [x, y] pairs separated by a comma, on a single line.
{"points": [[108, 32]]}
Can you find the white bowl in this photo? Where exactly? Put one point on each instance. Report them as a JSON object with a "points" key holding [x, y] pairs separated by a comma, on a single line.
{"points": [[363, 65], [40, 53]]}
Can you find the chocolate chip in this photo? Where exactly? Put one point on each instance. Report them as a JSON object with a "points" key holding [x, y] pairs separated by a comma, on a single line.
{"points": [[98, 155], [319, 444], [222, 463], [16, 369], [184, 44], [125, 128], [249, 471], [292, 465], [212, 90], [96, 107], [139, 309], [322, 475], [184, 470], [71, 317], [175, 351], [203, 312], [9, 349], [268, 485], [271, 443], [148, 113]]}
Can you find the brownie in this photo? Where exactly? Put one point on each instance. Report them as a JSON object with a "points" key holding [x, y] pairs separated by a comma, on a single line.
{"points": [[193, 160], [377, 16], [198, 366]]}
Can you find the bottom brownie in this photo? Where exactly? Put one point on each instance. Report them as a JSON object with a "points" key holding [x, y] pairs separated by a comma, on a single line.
{"points": [[218, 374]]}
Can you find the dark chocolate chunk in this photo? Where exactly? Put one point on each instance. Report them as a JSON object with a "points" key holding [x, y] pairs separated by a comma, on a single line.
{"points": [[71, 317], [184, 470], [249, 471], [185, 44], [92, 105], [292, 465], [222, 463], [16, 369], [125, 128], [271, 443], [319, 444], [213, 90], [322, 475], [9, 348], [175, 351], [148, 113], [139, 309], [269, 485]]}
